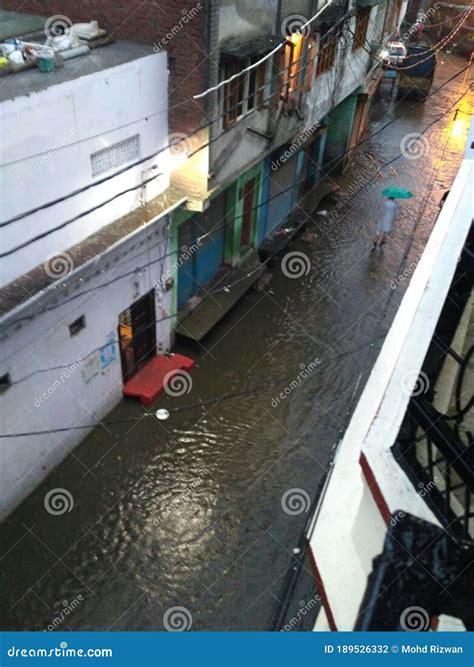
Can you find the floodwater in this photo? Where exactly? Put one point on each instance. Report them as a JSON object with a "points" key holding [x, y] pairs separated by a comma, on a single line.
{"points": [[188, 512]]}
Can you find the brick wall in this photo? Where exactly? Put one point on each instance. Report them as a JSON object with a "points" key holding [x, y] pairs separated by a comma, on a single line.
{"points": [[178, 27]]}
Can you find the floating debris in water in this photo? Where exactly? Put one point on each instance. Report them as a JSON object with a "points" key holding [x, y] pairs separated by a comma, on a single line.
{"points": [[162, 414]]}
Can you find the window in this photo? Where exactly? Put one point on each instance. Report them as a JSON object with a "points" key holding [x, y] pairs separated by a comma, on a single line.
{"points": [[297, 64], [327, 53], [245, 92], [362, 25], [307, 64], [77, 326], [112, 157]]}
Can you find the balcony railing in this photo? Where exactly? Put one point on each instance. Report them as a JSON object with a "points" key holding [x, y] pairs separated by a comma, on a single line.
{"points": [[440, 462]]}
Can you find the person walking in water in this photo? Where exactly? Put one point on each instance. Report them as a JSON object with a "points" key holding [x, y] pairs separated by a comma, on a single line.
{"points": [[385, 226]]}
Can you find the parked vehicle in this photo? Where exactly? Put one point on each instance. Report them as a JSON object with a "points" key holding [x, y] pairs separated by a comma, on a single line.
{"points": [[394, 54], [417, 72]]}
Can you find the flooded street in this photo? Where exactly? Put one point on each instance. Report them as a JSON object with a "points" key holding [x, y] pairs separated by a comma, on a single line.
{"points": [[189, 512]]}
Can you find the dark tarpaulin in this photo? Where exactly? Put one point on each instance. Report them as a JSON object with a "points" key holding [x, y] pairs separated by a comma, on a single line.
{"points": [[362, 4]]}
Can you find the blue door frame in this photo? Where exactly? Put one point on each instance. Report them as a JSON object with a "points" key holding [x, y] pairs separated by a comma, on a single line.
{"points": [[203, 261]]}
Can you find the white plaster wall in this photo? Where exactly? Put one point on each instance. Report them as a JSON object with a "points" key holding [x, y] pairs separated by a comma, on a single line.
{"points": [[46, 154], [349, 72], [88, 390]]}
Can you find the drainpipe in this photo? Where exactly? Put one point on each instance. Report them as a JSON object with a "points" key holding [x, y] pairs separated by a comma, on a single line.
{"points": [[278, 18]]}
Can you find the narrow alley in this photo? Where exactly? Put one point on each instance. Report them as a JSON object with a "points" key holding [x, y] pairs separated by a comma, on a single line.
{"points": [[188, 512]]}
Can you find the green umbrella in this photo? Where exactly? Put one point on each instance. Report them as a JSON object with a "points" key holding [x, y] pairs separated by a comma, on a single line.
{"points": [[398, 193]]}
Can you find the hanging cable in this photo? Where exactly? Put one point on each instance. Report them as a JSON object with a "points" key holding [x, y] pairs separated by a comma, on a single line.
{"points": [[124, 169], [190, 406], [227, 286], [433, 50], [262, 60], [232, 395], [141, 161], [214, 230]]}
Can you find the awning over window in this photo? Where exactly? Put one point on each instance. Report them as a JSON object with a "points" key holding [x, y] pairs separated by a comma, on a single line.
{"points": [[338, 12], [329, 16], [362, 4], [253, 48]]}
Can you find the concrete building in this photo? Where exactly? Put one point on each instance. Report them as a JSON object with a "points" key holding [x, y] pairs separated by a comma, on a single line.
{"points": [[86, 199], [275, 133], [120, 233], [248, 149]]}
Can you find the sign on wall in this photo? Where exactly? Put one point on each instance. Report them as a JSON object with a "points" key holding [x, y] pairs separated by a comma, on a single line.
{"points": [[90, 368], [108, 353]]}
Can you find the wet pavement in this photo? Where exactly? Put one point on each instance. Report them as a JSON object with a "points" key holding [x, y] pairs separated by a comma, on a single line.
{"points": [[191, 512]]}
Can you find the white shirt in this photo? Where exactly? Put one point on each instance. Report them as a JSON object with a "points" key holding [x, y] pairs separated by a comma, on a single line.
{"points": [[389, 213]]}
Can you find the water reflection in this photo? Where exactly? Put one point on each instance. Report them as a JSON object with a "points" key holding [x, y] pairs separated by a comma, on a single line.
{"points": [[188, 511]]}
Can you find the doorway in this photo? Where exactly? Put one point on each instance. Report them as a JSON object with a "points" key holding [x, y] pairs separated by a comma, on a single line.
{"points": [[137, 335], [199, 261], [248, 213]]}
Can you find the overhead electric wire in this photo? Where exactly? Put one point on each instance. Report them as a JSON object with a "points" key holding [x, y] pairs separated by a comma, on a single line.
{"points": [[144, 182], [201, 403], [214, 230], [452, 18], [154, 155], [196, 130], [263, 59], [335, 160], [127, 167], [214, 399], [151, 157], [135, 418], [433, 50], [224, 287], [136, 187]]}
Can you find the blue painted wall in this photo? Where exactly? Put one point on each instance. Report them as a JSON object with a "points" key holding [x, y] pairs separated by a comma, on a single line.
{"points": [[265, 194], [203, 262], [282, 198]]}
